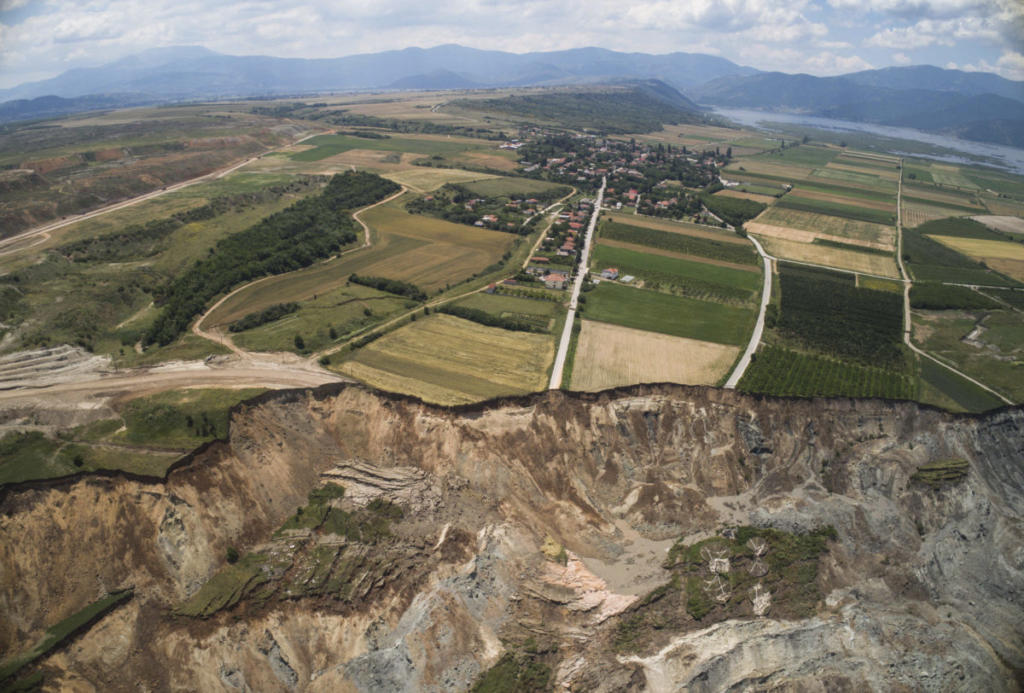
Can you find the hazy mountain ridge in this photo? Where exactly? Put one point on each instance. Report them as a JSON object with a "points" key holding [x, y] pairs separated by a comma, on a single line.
{"points": [[191, 72], [966, 104], [973, 105]]}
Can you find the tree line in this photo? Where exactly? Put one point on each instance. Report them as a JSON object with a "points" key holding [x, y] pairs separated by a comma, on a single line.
{"points": [[310, 229]]}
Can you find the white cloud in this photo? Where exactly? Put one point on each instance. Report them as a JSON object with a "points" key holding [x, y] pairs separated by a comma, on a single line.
{"points": [[900, 59], [1009, 65]]}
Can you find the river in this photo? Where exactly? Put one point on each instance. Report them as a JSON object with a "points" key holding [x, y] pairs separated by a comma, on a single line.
{"points": [[1009, 158]]}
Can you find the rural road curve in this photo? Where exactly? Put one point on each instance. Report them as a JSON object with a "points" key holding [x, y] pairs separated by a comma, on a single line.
{"points": [[755, 338], [216, 335], [581, 275], [907, 326]]}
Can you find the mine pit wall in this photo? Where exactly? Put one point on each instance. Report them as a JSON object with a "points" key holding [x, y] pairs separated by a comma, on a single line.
{"points": [[564, 464]]}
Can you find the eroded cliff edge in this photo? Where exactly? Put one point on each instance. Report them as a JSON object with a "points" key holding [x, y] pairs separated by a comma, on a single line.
{"points": [[923, 585]]}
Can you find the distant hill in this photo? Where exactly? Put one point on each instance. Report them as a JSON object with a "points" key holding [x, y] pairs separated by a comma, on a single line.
{"points": [[638, 106], [438, 79], [179, 73], [55, 106], [972, 105]]}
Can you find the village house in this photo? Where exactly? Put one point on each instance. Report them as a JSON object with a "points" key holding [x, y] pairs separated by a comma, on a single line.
{"points": [[556, 280], [610, 273]]}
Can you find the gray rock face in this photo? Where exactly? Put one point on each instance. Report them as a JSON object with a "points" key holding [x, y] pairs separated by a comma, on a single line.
{"points": [[922, 588]]}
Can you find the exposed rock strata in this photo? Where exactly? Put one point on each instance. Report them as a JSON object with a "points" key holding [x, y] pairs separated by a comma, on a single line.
{"points": [[924, 586]]}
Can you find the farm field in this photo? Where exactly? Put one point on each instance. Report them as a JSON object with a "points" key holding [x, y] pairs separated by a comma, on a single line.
{"points": [[826, 225], [914, 213], [680, 275], [324, 146], [447, 360], [738, 194], [825, 312], [494, 186], [538, 312], [1006, 224], [951, 175], [838, 197], [769, 168], [426, 179], [841, 258], [696, 230], [889, 173], [930, 260], [343, 310], [941, 387], [426, 251], [687, 244], [611, 355], [869, 180], [941, 196], [832, 207], [983, 249], [779, 371], [986, 345], [673, 315]]}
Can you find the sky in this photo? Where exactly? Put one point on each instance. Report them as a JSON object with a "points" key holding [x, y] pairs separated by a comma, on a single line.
{"points": [[42, 38]]}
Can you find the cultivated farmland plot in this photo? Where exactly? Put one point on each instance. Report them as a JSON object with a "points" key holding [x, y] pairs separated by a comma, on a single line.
{"points": [[448, 360], [611, 356], [826, 225]]}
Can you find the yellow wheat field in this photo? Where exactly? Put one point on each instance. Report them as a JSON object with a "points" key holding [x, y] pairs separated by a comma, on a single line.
{"points": [[610, 356]]}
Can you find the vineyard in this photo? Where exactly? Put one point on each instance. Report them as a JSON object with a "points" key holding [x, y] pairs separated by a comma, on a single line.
{"points": [[680, 243], [778, 371], [825, 312]]}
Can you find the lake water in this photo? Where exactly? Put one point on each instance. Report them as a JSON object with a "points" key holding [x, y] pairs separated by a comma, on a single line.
{"points": [[1009, 158]]}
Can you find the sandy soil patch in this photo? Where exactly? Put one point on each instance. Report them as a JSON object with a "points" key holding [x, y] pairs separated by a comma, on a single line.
{"points": [[610, 356], [1002, 223]]}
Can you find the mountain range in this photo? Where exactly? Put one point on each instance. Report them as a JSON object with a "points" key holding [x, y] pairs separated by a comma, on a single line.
{"points": [[973, 105]]}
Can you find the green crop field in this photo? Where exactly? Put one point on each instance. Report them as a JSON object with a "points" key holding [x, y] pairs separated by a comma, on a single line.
{"points": [[779, 371], [657, 312], [995, 356], [541, 313], [962, 394], [847, 191], [503, 187], [866, 179], [838, 209], [675, 275], [341, 312], [448, 360], [726, 251], [325, 146], [804, 155]]}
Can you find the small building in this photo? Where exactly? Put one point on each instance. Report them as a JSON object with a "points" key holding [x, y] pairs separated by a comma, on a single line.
{"points": [[555, 280], [490, 288], [539, 259], [610, 273], [627, 279]]}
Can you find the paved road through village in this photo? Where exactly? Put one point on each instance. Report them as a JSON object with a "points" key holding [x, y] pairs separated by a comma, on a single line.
{"points": [[581, 275]]}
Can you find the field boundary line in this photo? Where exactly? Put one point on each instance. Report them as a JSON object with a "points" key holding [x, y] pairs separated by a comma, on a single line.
{"points": [[755, 338], [907, 325]]}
